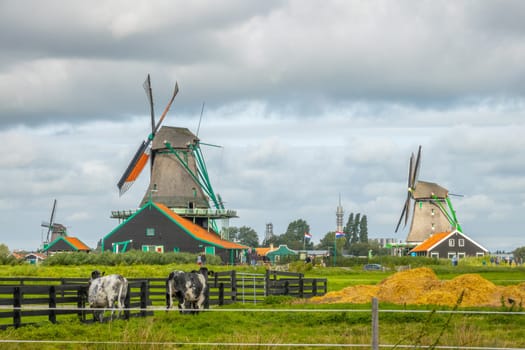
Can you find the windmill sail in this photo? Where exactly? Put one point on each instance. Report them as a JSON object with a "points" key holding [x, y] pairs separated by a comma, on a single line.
{"points": [[142, 155], [135, 167]]}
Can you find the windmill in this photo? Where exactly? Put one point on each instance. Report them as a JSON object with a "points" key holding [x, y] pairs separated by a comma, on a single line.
{"points": [[54, 229], [432, 210], [179, 177]]}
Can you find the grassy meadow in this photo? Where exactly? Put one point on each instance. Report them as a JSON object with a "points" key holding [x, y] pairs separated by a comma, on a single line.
{"points": [[280, 320]]}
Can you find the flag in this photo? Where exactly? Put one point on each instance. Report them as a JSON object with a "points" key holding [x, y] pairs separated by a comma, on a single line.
{"points": [[307, 235], [339, 234]]}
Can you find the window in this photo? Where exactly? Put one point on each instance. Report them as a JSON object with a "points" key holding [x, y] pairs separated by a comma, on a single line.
{"points": [[461, 255], [451, 255], [150, 232], [176, 249], [434, 255], [451, 242], [461, 242]]}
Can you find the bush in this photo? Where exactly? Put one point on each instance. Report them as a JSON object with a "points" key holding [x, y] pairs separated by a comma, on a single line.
{"points": [[133, 257]]}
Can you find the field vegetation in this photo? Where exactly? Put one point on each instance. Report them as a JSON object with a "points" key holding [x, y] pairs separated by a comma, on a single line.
{"points": [[280, 320]]}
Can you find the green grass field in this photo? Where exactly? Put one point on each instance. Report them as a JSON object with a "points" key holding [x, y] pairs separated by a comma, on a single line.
{"points": [[279, 320]]}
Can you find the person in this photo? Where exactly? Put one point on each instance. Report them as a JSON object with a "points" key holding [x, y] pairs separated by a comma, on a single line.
{"points": [[199, 260], [203, 259]]}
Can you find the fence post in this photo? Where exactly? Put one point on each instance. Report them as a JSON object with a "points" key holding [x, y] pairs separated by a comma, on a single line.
{"points": [[81, 302], [221, 294], [17, 304], [52, 305], [286, 288], [314, 287], [267, 283], [375, 324], [234, 286], [144, 297], [301, 286]]}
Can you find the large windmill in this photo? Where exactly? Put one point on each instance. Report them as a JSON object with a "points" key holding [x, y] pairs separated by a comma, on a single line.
{"points": [[179, 177], [54, 229], [432, 210]]}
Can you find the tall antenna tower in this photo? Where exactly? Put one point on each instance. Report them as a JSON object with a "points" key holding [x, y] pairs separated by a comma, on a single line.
{"points": [[269, 232], [339, 216]]}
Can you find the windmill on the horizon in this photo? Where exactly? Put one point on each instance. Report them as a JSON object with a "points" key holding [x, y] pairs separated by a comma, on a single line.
{"points": [[432, 210], [54, 229]]}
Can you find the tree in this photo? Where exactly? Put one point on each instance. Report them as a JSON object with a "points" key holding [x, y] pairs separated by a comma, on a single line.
{"points": [[355, 228], [363, 230], [243, 235], [248, 236], [4, 251], [519, 253], [349, 230], [294, 235]]}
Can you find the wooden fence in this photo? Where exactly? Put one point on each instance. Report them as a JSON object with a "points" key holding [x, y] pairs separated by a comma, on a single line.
{"points": [[32, 299]]}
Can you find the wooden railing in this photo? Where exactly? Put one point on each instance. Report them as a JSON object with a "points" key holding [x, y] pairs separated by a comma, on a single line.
{"points": [[27, 300]]}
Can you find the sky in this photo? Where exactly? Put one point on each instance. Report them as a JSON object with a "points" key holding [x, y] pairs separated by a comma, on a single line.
{"points": [[312, 102]]}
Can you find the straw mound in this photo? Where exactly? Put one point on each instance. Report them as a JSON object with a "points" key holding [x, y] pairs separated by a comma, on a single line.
{"points": [[421, 286]]}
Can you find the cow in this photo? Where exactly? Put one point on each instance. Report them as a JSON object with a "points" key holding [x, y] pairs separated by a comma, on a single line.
{"points": [[190, 288], [105, 291]]}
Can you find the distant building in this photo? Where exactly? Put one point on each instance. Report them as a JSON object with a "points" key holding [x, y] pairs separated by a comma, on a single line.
{"points": [[449, 245], [66, 244]]}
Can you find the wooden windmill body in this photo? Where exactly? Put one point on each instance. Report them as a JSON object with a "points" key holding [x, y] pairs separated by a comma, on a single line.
{"points": [[171, 181], [432, 211]]}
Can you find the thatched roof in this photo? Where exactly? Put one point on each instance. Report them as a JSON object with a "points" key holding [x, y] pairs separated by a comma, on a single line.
{"points": [[179, 138], [427, 189]]}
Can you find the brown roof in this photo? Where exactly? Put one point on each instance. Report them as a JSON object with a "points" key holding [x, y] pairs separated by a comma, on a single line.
{"points": [[430, 242], [198, 231]]}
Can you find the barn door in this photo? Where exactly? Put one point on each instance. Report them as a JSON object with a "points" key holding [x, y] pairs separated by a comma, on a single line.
{"points": [[209, 250]]}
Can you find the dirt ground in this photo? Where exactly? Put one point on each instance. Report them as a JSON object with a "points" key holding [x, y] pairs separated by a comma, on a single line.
{"points": [[422, 287]]}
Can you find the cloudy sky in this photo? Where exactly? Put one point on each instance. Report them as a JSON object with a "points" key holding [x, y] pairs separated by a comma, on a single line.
{"points": [[310, 100]]}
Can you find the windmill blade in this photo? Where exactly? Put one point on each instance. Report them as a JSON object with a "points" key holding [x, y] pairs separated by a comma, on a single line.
{"points": [[410, 172], [416, 167], [51, 222], [142, 155], [149, 94], [175, 92], [200, 119], [404, 213], [135, 167]]}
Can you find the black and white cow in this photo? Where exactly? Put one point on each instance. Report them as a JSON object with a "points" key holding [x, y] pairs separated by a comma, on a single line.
{"points": [[190, 288], [105, 291]]}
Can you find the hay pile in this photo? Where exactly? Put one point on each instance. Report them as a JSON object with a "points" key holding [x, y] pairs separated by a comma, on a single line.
{"points": [[422, 287]]}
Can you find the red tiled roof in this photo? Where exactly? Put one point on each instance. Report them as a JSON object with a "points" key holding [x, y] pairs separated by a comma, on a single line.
{"points": [[430, 242], [197, 231], [75, 242]]}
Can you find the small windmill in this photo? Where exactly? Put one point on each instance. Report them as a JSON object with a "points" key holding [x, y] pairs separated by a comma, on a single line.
{"points": [[54, 229], [179, 177], [432, 210]]}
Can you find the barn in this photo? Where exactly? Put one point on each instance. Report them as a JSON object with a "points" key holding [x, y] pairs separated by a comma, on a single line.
{"points": [[449, 245], [155, 227]]}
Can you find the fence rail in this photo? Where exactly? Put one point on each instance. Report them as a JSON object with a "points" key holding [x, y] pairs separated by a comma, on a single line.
{"points": [[26, 300]]}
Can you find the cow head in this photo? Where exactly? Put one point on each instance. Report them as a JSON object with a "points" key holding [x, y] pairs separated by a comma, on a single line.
{"points": [[96, 274]]}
